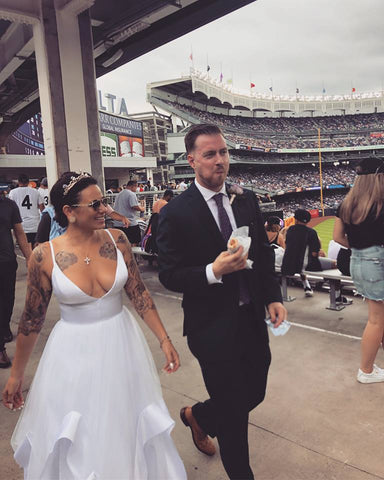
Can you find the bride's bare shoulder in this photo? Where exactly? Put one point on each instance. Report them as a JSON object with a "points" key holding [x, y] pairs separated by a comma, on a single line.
{"points": [[42, 257], [119, 237]]}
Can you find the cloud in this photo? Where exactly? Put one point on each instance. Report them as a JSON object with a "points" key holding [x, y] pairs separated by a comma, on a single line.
{"points": [[338, 43]]}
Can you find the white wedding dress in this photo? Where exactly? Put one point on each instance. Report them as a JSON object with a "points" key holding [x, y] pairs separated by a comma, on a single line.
{"points": [[95, 408]]}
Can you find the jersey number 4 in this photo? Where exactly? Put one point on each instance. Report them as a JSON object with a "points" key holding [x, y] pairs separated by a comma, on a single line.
{"points": [[26, 202]]}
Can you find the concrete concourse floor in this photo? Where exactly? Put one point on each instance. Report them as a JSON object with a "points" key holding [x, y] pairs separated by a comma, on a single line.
{"points": [[317, 421]]}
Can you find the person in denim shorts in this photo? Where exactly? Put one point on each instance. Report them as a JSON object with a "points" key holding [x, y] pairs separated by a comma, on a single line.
{"points": [[360, 226]]}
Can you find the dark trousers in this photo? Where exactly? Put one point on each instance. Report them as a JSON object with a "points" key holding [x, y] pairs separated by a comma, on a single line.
{"points": [[236, 385], [133, 234], [7, 297], [31, 237]]}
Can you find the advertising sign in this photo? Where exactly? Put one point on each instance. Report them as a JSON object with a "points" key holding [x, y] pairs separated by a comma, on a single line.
{"points": [[377, 135], [119, 136], [109, 145], [120, 125], [131, 146]]}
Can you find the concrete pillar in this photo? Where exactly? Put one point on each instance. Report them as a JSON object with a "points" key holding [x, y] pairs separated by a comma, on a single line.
{"points": [[67, 85], [51, 92]]}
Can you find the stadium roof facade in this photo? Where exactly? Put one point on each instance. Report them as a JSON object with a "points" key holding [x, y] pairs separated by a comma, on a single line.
{"points": [[201, 91], [122, 30]]}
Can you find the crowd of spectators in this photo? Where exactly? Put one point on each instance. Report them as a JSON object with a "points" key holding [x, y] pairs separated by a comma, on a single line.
{"points": [[292, 177], [297, 142], [308, 201], [371, 122], [296, 133]]}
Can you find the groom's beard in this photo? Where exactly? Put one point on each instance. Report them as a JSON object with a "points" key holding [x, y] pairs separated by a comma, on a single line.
{"points": [[214, 181]]}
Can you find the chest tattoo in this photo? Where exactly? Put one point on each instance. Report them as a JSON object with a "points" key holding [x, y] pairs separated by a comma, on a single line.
{"points": [[65, 259]]}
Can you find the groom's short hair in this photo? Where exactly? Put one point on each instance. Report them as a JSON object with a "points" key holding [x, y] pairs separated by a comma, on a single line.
{"points": [[197, 130]]}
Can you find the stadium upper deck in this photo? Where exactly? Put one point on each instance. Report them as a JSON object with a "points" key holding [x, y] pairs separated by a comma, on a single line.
{"points": [[276, 124], [201, 91]]}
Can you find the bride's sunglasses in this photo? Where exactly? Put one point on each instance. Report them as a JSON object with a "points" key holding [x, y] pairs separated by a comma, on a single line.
{"points": [[95, 204]]}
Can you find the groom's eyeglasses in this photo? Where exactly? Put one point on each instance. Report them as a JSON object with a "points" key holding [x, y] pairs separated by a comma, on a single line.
{"points": [[95, 204]]}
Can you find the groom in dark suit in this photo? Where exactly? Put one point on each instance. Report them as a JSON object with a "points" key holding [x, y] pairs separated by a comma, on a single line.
{"points": [[224, 303]]}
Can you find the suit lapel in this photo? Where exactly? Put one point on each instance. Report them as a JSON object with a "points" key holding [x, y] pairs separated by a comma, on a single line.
{"points": [[202, 211]]}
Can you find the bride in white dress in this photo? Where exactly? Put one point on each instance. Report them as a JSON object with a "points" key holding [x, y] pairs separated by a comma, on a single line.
{"points": [[95, 408]]}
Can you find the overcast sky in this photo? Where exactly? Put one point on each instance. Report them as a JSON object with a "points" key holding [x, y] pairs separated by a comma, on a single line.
{"points": [[308, 44]]}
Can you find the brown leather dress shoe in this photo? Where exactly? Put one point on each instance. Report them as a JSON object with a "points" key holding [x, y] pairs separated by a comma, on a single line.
{"points": [[199, 437], [5, 362]]}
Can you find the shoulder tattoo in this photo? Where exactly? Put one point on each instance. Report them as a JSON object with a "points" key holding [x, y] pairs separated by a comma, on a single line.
{"points": [[108, 250], [65, 259], [121, 238], [39, 253]]}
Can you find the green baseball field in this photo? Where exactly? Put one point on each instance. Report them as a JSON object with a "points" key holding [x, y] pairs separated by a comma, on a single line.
{"points": [[324, 229]]}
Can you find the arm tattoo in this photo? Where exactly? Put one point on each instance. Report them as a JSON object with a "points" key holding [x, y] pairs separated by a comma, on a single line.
{"points": [[36, 303], [136, 290], [65, 259], [108, 250]]}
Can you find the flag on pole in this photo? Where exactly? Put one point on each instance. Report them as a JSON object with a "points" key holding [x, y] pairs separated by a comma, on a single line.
{"points": [[297, 91], [271, 89], [191, 57], [229, 81], [221, 77], [353, 89], [323, 90], [253, 85], [208, 68]]}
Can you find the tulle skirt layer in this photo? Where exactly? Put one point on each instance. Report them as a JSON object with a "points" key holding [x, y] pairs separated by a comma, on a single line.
{"points": [[95, 409]]}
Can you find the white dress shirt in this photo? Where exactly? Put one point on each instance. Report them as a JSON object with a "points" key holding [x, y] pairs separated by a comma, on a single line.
{"points": [[211, 202]]}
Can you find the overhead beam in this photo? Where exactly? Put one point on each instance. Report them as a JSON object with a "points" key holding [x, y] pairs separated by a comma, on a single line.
{"points": [[15, 46], [20, 11], [169, 28]]}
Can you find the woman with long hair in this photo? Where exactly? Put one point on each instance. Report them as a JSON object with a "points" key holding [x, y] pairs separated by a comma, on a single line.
{"points": [[95, 408], [360, 226]]}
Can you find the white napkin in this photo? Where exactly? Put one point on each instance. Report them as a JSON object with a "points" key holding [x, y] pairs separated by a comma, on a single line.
{"points": [[240, 238]]}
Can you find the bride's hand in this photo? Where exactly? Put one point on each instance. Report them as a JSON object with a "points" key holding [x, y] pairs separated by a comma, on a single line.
{"points": [[173, 361], [12, 395]]}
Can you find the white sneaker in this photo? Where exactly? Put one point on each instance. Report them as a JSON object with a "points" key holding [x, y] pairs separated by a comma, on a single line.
{"points": [[308, 292], [377, 375]]}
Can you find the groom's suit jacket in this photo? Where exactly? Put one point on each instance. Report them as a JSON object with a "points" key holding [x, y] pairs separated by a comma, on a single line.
{"points": [[188, 239]]}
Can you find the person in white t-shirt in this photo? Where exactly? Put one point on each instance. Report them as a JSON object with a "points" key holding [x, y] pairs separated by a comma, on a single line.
{"points": [[44, 191], [30, 203], [182, 185]]}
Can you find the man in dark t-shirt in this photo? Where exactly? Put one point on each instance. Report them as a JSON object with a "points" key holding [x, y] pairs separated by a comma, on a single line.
{"points": [[10, 219], [302, 249]]}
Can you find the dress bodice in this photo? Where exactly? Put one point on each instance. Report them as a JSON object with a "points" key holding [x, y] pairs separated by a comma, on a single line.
{"points": [[77, 306]]}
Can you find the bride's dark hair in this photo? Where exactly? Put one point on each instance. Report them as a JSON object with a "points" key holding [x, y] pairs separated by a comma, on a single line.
{"points": [[59, 198]]}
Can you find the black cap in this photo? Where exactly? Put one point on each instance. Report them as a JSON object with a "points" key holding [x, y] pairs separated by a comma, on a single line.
{"points": [[44, 182], [302, 215], [370, 165], [273, 221]]}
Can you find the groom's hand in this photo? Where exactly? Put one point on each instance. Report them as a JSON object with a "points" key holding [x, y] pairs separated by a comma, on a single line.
{"points": [[229, 262]]}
